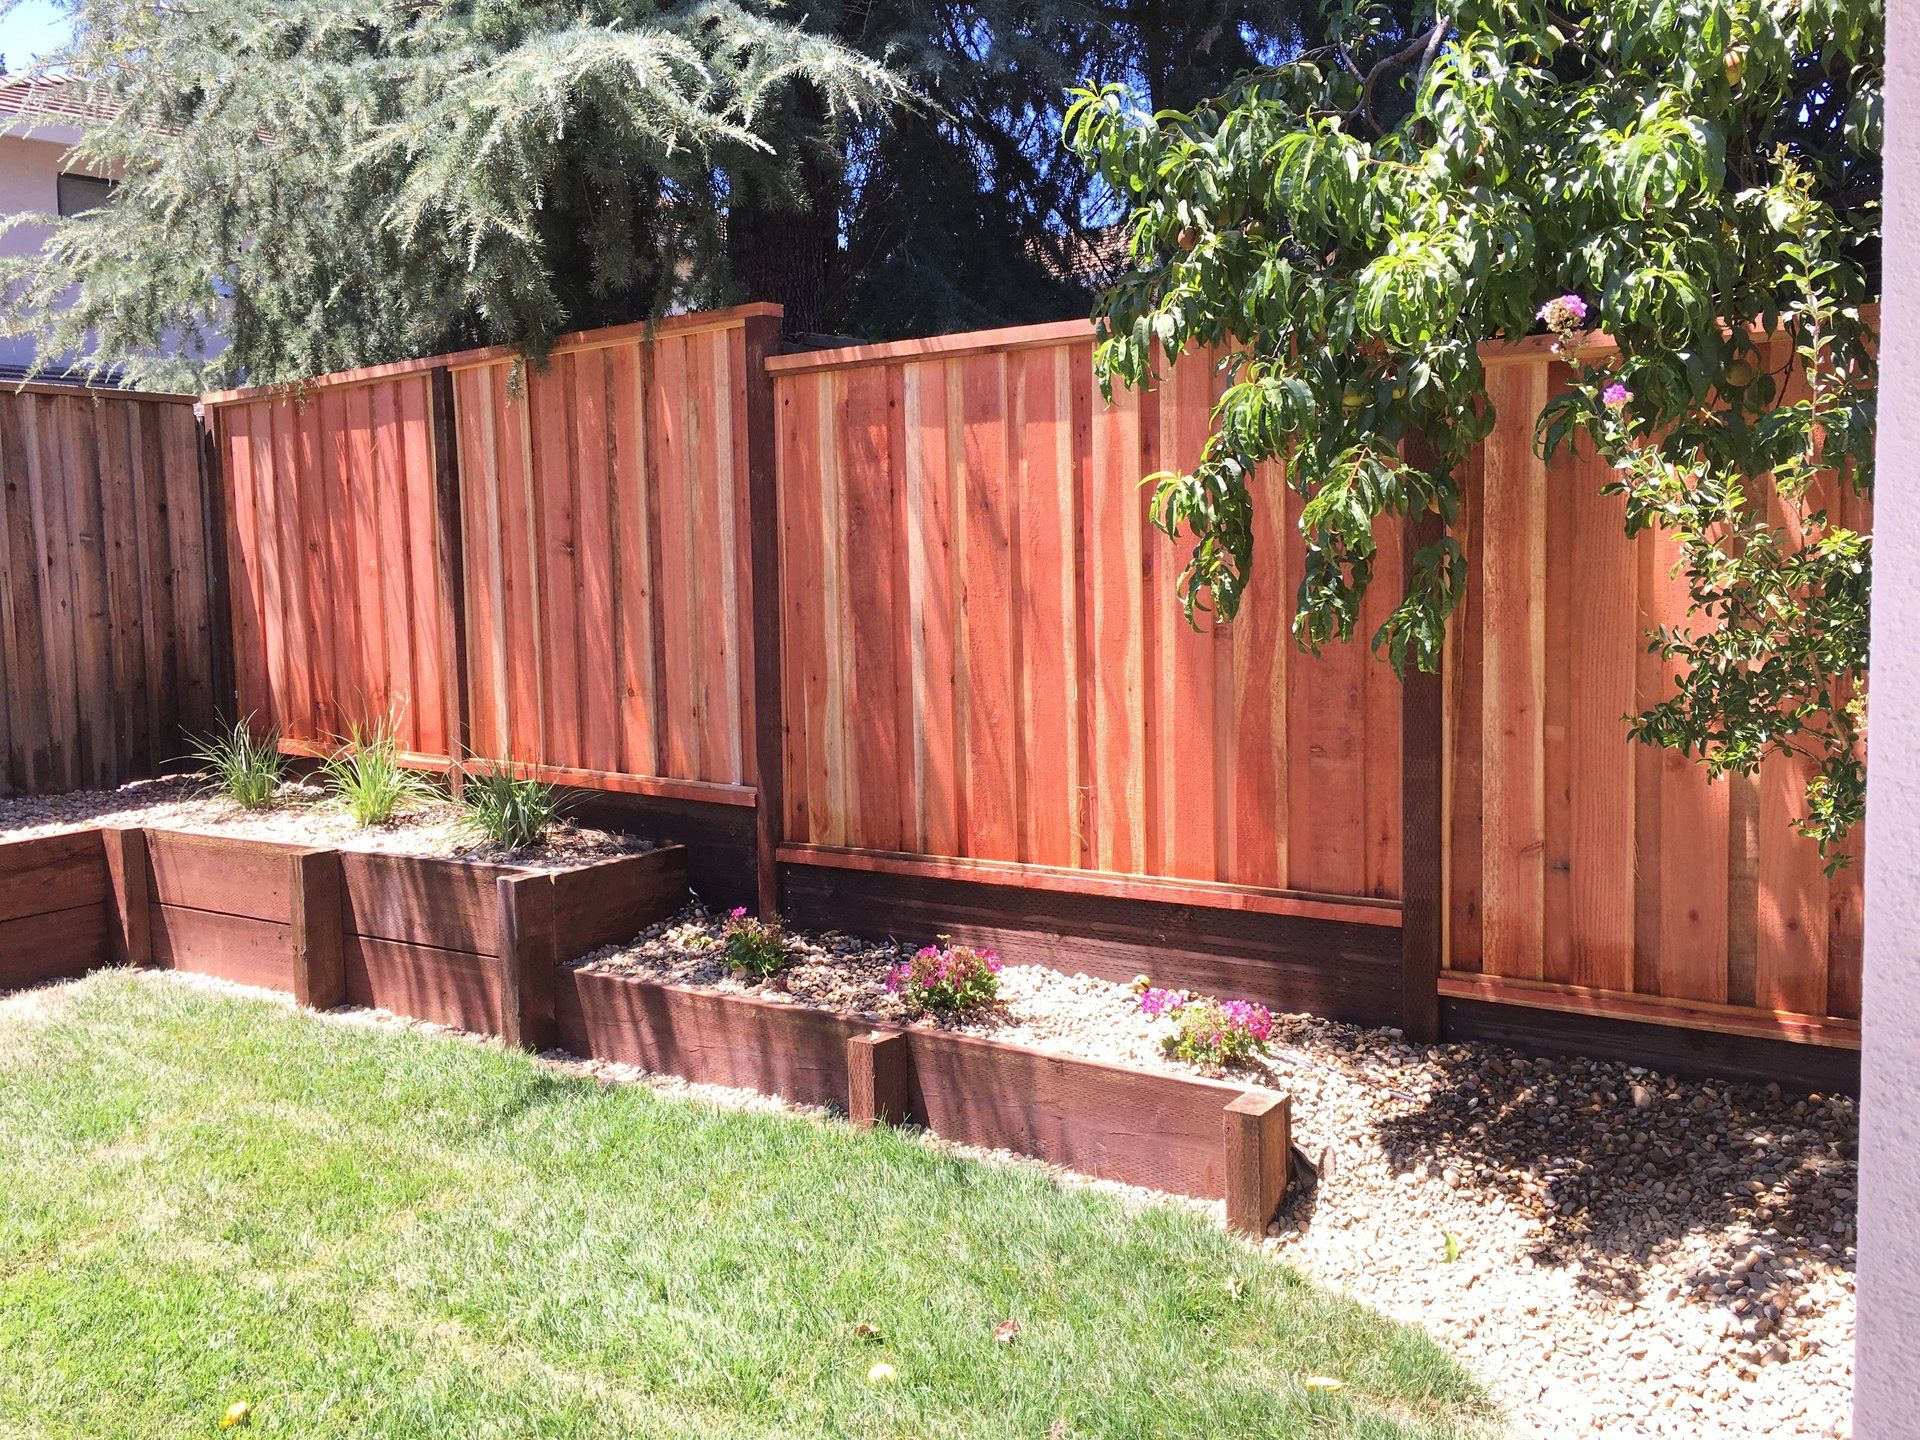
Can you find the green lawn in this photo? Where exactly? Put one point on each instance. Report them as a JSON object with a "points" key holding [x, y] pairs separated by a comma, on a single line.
{"points": [[206, 1199]]}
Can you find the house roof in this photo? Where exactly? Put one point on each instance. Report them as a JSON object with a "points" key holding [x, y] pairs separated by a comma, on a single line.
{"points": [[57, 97]]}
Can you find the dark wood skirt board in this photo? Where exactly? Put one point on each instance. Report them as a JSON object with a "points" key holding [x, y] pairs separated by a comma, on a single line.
{"points": [[1342, 970], [1671, 1049], [53, 910], [1184, 1135], [718, 840]]}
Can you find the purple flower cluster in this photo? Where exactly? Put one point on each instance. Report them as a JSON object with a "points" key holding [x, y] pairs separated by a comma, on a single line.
{"points": [[1157, 1002], [948, 978], [1564, 314], [1616, 395], [1209, 1032]]}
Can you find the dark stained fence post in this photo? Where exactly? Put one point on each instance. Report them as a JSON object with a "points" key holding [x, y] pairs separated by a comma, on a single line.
{"points": [[450, 563], [877, 1079], [763, 520], [1422, 811], [1259, 1146], [529, 951], [316, 933], [129, 894], [213, 511]]}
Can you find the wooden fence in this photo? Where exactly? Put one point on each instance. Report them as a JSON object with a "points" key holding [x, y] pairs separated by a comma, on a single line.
{"points": [[541, 566], [905, 603], [984, 661], [108, 650]]}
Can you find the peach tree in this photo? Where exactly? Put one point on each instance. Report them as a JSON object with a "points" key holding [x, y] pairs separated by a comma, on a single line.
{"points": [[1697, 179]]}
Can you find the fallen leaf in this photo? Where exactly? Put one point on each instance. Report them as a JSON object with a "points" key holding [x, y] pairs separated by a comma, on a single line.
{"points": [[1005, 1331], [237, 1414], [1453, 1247], [871, 1333], [1323, 1383], [881, 1373]]}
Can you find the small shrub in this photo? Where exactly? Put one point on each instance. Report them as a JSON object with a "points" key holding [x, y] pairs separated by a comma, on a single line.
{"points": [[511, 812], [367, 777], [947, 978], [245, 768], [1207, 1031], [756, 946]]}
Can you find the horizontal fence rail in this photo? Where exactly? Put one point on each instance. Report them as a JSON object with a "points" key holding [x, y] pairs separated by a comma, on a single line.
{"points": [[108, 614]]}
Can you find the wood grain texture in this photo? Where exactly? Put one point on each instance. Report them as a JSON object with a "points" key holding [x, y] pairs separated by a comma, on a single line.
{"points": [[524, 968], [315, 923], [983, 657], [106, 581], [877, 1079], [1258, 1147]]}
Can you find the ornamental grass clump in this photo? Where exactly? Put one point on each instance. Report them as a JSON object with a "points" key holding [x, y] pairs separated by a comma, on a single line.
{"points": [[367, 776], [512, 812], [1210, 1032], [245, 768], [947, 979], [756, 947]]}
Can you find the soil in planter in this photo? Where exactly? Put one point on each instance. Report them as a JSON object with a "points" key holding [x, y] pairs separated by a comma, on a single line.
{"points": [[1069, 1014], [303, 814]]}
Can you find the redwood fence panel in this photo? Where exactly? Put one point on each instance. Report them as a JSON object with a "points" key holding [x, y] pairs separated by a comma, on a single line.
{"points": [[108, 646], [1588, 873], [984, 660]]}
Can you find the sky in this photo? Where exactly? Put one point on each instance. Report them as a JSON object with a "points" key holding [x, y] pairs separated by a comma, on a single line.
{"points": [[29, 29]]}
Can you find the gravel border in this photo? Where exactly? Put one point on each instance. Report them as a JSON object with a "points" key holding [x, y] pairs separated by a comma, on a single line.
{"points": [[303, 814]]}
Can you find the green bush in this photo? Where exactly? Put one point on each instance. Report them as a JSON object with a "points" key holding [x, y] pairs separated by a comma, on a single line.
{"points": [[246, 768], [367, 777], [513, 813]]}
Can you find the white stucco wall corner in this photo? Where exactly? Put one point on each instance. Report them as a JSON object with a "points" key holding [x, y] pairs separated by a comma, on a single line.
{"points": [[1887, 1351]]}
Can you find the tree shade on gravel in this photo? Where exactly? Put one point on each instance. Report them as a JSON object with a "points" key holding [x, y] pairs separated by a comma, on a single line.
{"points": [[211, 1199]]}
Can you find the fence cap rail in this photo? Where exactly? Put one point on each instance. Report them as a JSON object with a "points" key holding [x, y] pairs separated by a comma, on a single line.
{"points": [[574, 340], [93, 392]]}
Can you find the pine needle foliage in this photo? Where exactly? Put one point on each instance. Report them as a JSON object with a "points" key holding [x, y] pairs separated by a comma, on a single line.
{"points": [[326, 183]]}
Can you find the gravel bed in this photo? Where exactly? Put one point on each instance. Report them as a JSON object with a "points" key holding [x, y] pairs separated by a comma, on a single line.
{"points": [[303, 814], [1616, 1252]]}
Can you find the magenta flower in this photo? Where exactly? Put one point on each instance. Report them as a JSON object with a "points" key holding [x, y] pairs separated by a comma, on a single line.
{"points": [[1564, 314], [1616, 394], [739, 912]]}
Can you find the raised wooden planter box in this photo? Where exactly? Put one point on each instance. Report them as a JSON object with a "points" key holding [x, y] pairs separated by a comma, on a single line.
{"points": [[53, 908], [457, 942], [1181, 1134]]}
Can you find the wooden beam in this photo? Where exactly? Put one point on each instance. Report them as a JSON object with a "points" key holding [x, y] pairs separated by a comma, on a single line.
{"points": [[525, 964], [763, 521], [213, 511], [1259, 1147], [315, 932], [450, 566], [1423, 899], [129, 895], [877, 1067]]}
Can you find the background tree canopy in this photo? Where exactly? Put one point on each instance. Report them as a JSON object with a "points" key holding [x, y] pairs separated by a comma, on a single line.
{"points": [[350, 181], [1685, 175]]}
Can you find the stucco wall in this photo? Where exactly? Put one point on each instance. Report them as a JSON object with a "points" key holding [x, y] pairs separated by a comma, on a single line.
{"points": [[29, 180], [1887, 1352]]}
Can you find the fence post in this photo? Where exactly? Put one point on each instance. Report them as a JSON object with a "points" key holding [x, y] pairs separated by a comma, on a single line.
{"points": [[316, 932], [128, 895], [1259, 1149], [1422, 814], [213, 514], [763, 519], [529, 951], [451, 566]]}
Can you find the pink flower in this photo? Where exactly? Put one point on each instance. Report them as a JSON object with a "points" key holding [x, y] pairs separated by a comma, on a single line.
{"points": [[1616, 394], [1564, 313], [739, 912]]}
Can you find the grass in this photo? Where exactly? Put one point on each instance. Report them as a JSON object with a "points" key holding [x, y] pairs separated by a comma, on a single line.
{"points": [[366, 775], [246, 768], [510, 811], [210, 1199]]}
